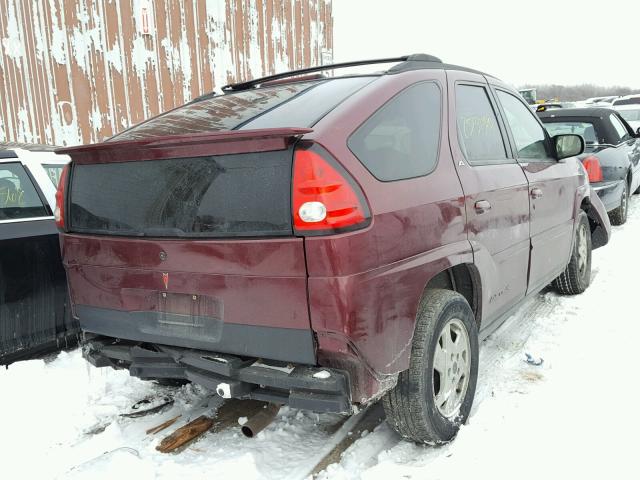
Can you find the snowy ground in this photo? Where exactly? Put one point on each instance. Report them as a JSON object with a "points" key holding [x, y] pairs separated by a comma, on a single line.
{"points": [[572, 417]]}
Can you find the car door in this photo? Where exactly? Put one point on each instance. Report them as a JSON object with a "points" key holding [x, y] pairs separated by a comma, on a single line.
{"points": [[32, 281], [630, 145], [552, 188], [496, 193]]}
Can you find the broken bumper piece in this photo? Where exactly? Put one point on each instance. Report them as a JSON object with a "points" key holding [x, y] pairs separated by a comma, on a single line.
{"points": [[310, 388]]}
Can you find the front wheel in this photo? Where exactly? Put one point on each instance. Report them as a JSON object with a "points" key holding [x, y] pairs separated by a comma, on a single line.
{"points": [[577, 276], [434, 396]]}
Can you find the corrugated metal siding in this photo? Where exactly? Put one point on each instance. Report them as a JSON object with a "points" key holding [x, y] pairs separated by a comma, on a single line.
{"points": [[78, 72]]}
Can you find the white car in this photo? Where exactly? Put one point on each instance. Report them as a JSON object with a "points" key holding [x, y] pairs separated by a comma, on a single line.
{"points": [[631, 113], [43, 164], [34, 313], [626, 100]]}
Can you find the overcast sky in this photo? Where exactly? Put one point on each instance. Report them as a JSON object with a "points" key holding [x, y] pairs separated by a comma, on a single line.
{"points": [[540, 41]]}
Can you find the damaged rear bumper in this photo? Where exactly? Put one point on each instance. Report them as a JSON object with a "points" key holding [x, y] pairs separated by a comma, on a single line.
{"points": [[310, 388]]}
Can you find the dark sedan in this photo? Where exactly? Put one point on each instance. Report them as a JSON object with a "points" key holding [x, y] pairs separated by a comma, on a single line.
{"points": [[611, 157]]}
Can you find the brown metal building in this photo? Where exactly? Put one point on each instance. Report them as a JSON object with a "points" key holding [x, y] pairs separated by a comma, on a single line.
{"points": [[78, 71]]}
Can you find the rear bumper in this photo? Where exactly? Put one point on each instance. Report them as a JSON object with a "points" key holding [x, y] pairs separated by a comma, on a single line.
{"points": [[202, 333], [609, 193], [311, 388]]}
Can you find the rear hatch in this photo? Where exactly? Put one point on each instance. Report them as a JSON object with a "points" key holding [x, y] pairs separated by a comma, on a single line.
{"points": [[182, 243], [179, 230]]}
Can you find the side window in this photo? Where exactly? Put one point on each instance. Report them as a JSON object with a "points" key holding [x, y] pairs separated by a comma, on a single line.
{"points": [[402, 138], [621, 130], [54, 172], [527, 133], [478, 131], [18, 196]]}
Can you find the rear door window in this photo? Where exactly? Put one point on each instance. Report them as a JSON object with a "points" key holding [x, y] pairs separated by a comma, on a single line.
{"points": [[478, 131], [401, 139], [18, 197], [527, 133]]}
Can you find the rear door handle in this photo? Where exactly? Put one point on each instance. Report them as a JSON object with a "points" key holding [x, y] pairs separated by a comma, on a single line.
{"points": [[536, 193], [482, 206]]}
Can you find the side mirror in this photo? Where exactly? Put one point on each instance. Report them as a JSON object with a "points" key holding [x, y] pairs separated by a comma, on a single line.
{"points": [[568, 146], [638, 132]]}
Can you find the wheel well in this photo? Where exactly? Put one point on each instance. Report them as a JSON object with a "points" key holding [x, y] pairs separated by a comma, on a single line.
{"points": [[463, 279], [585, 206]]}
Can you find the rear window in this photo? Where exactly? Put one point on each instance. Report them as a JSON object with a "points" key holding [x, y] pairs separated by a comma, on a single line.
{"points": [[245, 195], [586, 130], [299, 104], [18, 197], [401, 139]]}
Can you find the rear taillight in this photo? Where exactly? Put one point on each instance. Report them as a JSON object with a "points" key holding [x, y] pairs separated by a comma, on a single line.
{"points": [[60, 193], [325, 197], [592, 166]]}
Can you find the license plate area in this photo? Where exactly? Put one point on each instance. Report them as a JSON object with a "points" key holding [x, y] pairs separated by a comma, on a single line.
{"points": [[187, 316]]}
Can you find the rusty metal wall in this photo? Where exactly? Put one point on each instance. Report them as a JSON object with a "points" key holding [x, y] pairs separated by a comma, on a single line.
{"points": [[78, 71]]}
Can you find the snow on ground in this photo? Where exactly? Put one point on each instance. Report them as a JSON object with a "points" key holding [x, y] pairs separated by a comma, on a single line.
{"points": [[571, 417]]}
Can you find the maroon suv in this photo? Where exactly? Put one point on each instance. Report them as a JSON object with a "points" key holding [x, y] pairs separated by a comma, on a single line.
{"points": [[324, 242]]}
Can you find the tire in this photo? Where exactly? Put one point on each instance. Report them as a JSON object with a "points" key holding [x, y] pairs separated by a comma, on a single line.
{"points": [[411, 406], [577, 276], [619, 215]]}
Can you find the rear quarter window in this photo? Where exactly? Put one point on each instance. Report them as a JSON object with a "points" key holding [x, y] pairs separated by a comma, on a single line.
{"points": [[54, 172], [401, 139]]}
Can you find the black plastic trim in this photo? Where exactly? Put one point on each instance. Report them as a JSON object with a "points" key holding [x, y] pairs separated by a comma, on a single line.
{"points": [[283, 344], [298, 386]]}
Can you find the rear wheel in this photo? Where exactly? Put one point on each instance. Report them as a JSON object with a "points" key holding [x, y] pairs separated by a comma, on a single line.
{"points": [[619, 215], [434, 396], [576, 277]]}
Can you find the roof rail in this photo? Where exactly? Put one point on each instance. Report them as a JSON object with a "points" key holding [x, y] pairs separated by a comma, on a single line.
{"points": [[234, 87]]}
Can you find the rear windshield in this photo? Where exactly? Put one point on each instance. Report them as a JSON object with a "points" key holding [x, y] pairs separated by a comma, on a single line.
{"points": [[586, 130], [299, 104], [244, 195]]}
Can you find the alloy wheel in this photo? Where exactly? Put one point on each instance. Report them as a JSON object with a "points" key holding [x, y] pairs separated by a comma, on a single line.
{"points": [[451, 368], [583, 254]]}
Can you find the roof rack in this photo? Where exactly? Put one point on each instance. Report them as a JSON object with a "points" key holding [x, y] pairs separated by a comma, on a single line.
{"points": [[234, 87]]}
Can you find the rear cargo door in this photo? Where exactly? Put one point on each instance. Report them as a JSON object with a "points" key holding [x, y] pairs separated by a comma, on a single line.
{"points": [[189, 245]]}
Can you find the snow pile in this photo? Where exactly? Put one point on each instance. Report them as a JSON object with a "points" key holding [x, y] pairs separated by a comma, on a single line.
{"points": [[573, 416]]}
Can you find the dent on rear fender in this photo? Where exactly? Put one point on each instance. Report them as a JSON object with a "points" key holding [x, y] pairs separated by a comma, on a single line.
{"points": [[371, 316]]}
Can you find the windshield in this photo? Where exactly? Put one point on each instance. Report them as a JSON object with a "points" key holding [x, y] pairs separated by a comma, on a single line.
{"points": [[630, 115], [299, 104], [586, 130]]}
